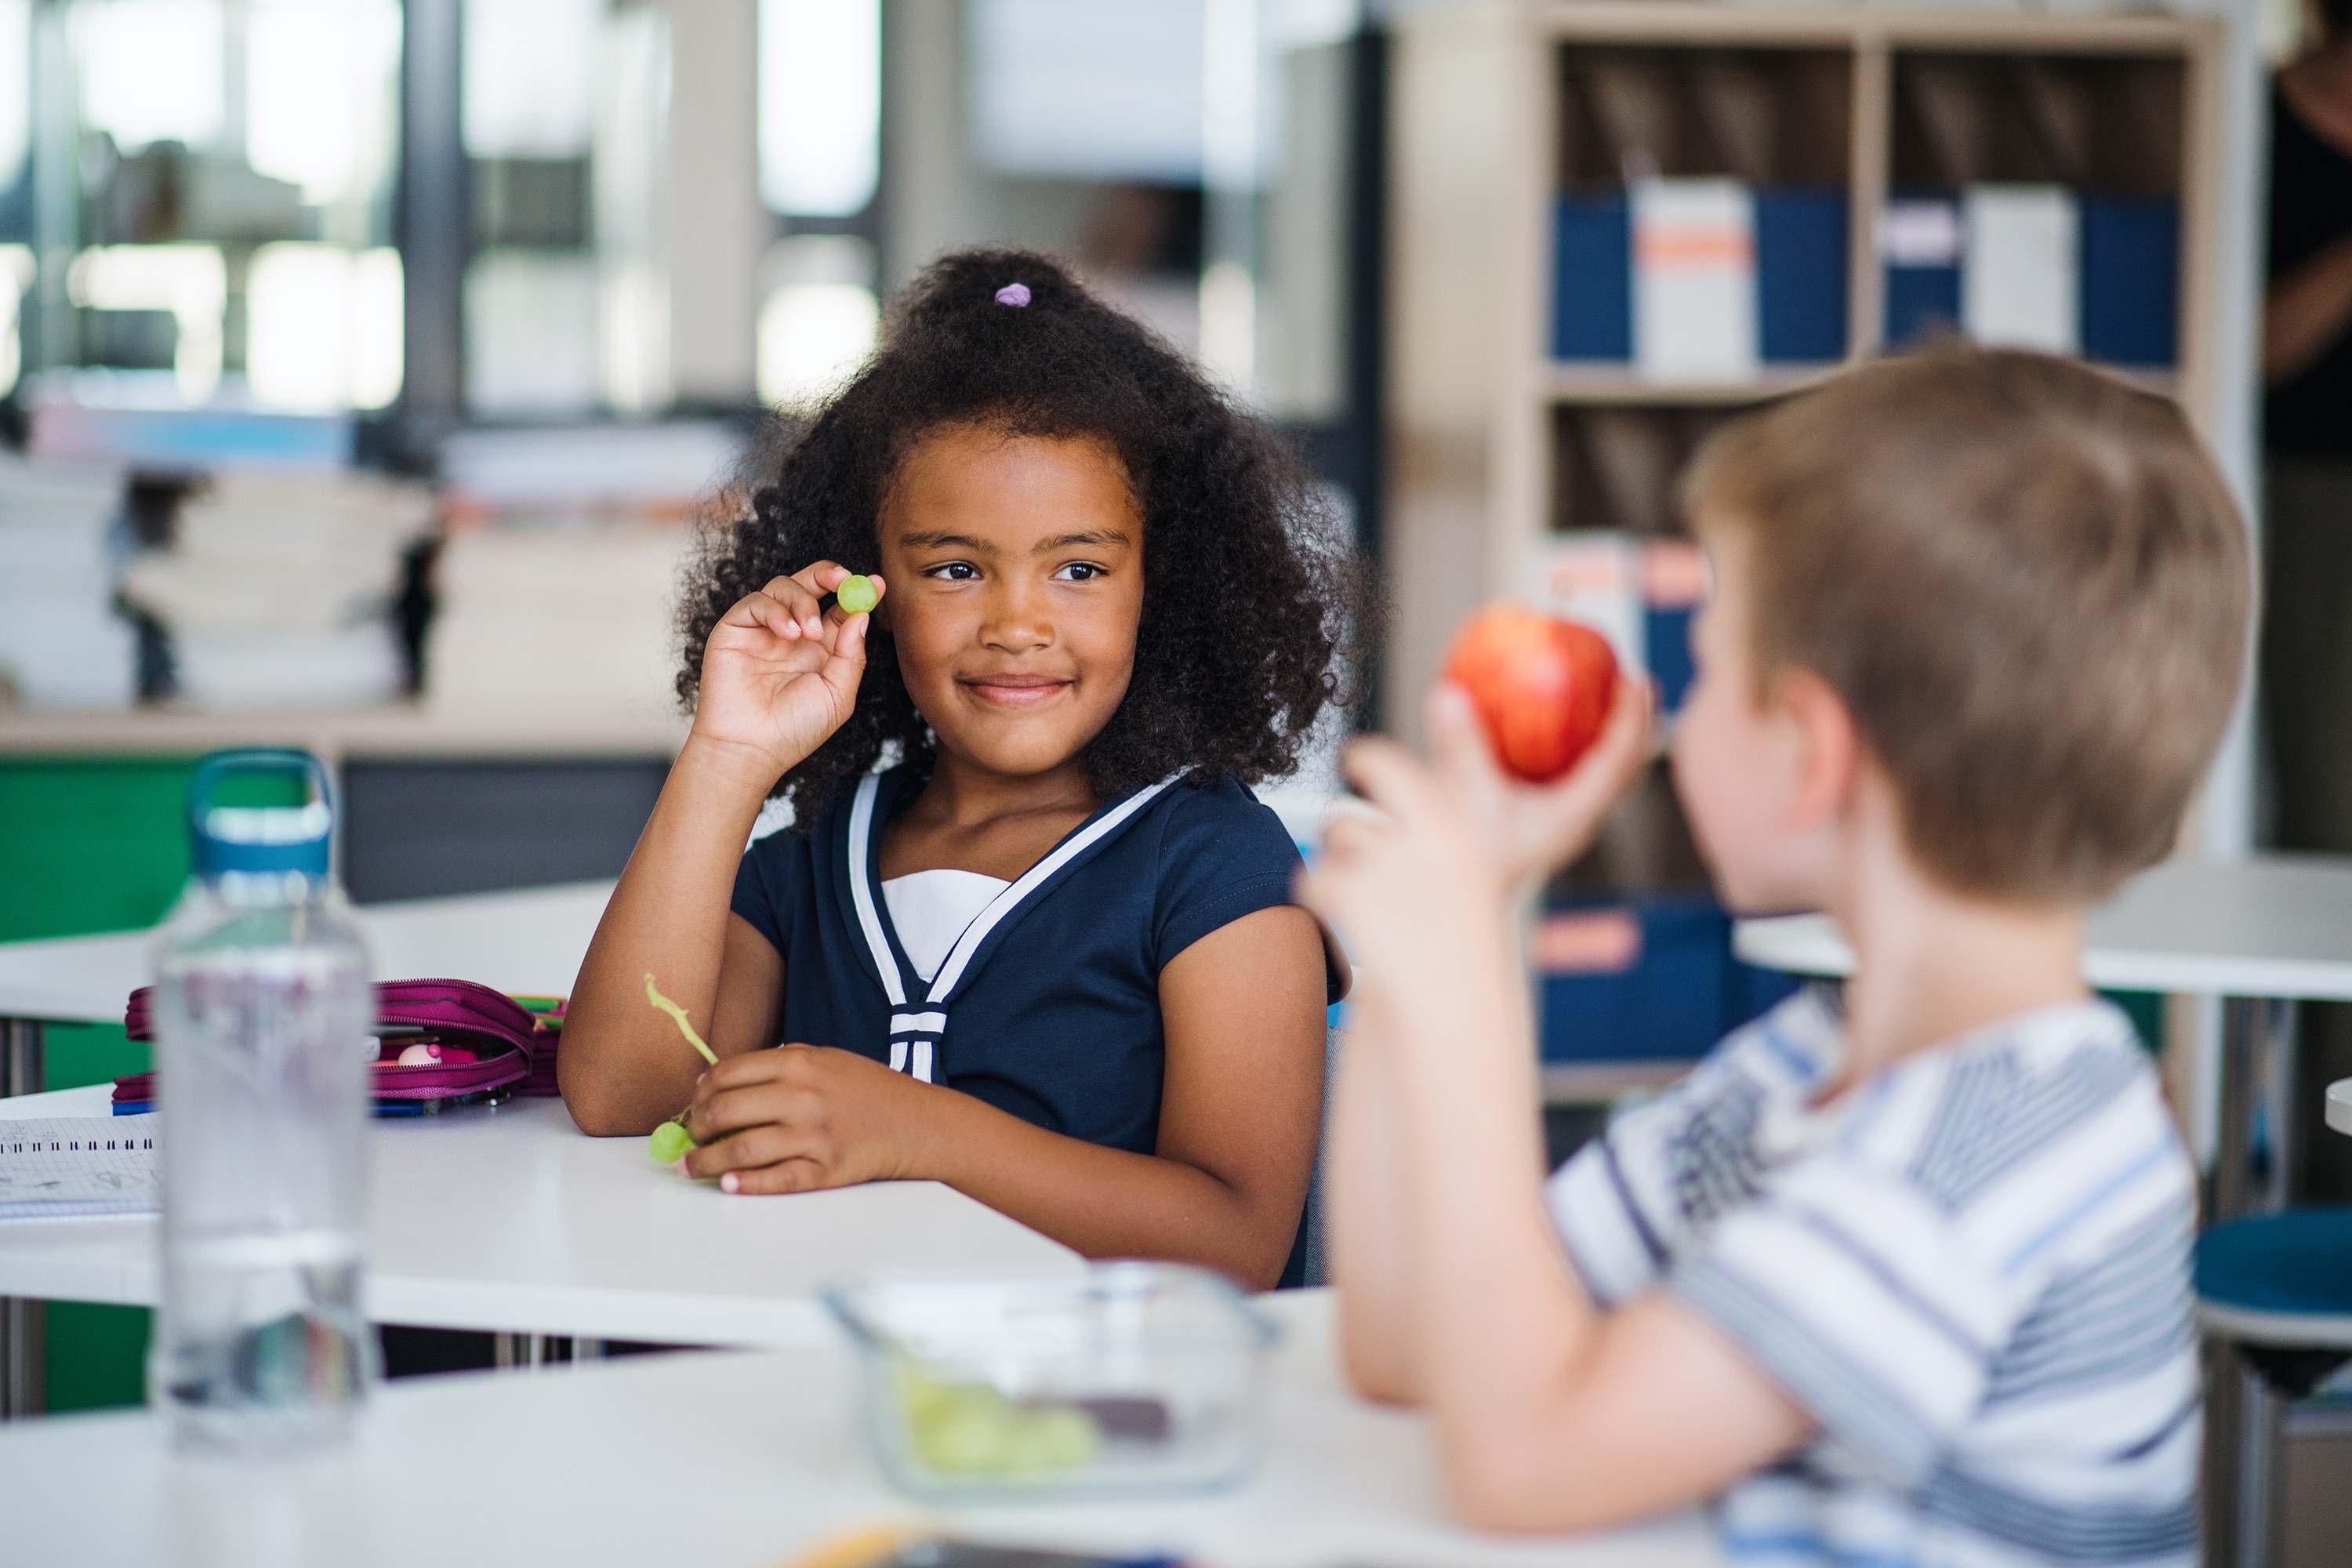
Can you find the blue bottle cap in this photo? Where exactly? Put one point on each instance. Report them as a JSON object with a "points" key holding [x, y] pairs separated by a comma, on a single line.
{"points": [[224, 839]]}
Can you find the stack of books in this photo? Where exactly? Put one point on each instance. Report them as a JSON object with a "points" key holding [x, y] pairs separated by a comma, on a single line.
{"points": [[556, 588], [62, 539], [279, 590]]}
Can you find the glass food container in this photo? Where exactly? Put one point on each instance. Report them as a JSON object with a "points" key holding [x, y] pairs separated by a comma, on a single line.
{"points": [[1122, 1379]]}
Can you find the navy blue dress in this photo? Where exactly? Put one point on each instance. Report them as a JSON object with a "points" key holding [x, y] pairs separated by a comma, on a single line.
{"points": [[1049, 1008]]}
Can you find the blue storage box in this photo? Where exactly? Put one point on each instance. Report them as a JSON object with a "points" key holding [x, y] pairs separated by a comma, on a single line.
{"points": [[2130, 279], [1800, 281], [1920, 248], [1801, 275], [1666, 630], [1921, 301], [1592, 277], [1652, 979]]}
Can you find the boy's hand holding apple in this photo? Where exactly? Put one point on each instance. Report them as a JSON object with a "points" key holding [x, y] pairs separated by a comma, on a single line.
{"points": [[1423, 885], [1528, 828], [1536, 734]]}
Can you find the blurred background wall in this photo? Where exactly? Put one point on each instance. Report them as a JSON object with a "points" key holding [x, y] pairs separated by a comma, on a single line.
{"points": [[554, 258]]}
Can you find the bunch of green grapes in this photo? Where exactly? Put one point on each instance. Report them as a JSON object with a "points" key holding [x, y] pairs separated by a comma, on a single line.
{"points": [[670, 1140]]}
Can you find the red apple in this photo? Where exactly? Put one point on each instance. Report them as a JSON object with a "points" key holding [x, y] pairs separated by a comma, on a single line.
{"points": [[1543, 687]]}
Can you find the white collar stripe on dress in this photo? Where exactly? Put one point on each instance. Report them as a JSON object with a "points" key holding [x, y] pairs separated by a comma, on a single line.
{"points": [[914, 1035], [861, 829]]}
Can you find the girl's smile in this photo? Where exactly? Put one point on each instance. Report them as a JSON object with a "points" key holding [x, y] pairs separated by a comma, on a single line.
{"points": [[1017, 690]]}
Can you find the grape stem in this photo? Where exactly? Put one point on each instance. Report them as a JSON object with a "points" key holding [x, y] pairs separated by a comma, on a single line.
{"points": [[685, 1025]]}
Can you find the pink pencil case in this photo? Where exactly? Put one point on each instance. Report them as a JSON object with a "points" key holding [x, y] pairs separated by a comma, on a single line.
{"points": [[486, 1040]]}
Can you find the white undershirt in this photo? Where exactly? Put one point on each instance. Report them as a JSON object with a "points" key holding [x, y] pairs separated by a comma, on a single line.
{"points": [[931, 909]]}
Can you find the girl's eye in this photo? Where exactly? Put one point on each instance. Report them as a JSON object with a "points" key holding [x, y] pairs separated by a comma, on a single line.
{"points": [[953, 571], [1078, 572]]}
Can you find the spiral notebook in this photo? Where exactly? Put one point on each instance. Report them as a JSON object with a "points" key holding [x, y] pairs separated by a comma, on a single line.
{"points": [[73, 1167]]}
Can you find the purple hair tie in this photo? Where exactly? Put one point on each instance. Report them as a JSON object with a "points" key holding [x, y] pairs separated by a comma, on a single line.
{"points": [[1014, 294]]}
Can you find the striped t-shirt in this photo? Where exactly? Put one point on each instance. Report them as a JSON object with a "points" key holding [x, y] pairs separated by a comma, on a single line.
{"points": [[1971, 1270]]}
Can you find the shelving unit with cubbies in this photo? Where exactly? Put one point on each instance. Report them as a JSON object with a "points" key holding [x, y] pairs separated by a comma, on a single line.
{"points": [[1879, 168]]}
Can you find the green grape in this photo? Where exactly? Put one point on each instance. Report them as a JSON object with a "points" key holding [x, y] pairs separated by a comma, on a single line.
{"points": [[1057, 1437], [967, 1435], [972, 1429], [668, 1143], [857, 595]]}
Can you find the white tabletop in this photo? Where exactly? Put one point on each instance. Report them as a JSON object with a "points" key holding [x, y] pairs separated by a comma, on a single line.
{"points": [[726, 1460], [527, 942], [2340, 1105], [508, 1218], [2276, 925]]}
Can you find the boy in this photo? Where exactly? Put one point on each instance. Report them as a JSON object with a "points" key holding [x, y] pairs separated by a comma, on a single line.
{"points": [[1903, 1274]]}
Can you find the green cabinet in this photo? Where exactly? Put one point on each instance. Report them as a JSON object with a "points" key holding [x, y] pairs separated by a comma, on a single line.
{"points": [[91, 845]]}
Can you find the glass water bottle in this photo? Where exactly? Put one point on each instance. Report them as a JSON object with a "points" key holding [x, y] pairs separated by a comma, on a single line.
{"points": [[262, 1017]]}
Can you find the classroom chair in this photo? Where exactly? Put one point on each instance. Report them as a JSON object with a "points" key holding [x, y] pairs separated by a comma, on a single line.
{"points": [[1311, 1271], [2274, 1294]]}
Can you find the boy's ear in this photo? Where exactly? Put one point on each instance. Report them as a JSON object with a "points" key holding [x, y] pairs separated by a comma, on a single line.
{"points": [[1827, 746]]}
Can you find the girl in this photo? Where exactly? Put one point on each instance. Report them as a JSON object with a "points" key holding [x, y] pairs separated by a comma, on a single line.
{"points": [[1048, 956]]}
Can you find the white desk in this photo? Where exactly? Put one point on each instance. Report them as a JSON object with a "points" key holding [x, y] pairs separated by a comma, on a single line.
{"points": [[2274, 926], [732, 1461], [2340, 1105], [527, 942], [507, 1219]]}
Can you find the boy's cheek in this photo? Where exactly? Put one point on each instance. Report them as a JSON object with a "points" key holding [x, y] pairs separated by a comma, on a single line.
{"points": [[1725, 794]]}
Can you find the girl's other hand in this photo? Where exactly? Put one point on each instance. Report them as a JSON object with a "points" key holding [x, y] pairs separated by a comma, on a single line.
{"points": [[1529, 829], [779, 674], [800, 1118]]}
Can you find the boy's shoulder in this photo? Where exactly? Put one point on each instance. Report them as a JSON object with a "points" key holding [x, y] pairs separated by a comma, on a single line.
{"points": [[2071, 1055], [1984, 1130], [2057, 1091]]}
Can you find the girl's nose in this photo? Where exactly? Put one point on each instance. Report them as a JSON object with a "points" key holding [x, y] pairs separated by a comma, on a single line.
{"points": [[1017, 622]]}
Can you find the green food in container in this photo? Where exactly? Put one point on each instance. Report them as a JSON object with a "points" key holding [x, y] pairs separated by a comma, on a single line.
{"points": [[1123, 1379], [970, 1429]]}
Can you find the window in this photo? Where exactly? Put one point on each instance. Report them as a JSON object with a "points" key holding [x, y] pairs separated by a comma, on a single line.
{"points": [[230, 247]]}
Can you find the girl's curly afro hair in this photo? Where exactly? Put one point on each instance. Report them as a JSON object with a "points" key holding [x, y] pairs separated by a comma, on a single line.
{"points": [[1249, 584]]}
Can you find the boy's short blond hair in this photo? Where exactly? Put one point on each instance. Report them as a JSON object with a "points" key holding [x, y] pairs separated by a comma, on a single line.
{"points": [[2027, 582]]}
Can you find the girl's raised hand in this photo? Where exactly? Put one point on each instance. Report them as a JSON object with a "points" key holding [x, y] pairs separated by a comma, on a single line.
{"points": [[779, 674]]}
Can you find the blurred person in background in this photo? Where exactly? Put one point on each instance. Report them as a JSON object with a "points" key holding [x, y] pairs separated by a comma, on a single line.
{"points": [[2306, 653]]}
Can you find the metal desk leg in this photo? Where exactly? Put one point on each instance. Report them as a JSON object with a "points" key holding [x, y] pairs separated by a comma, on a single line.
{"points": [[23, 1056], [528, 1352], [2241, 1476], [519, 1351], [24, 1340], [2245, 1053], [2241, 1413], [24, 1358]]}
